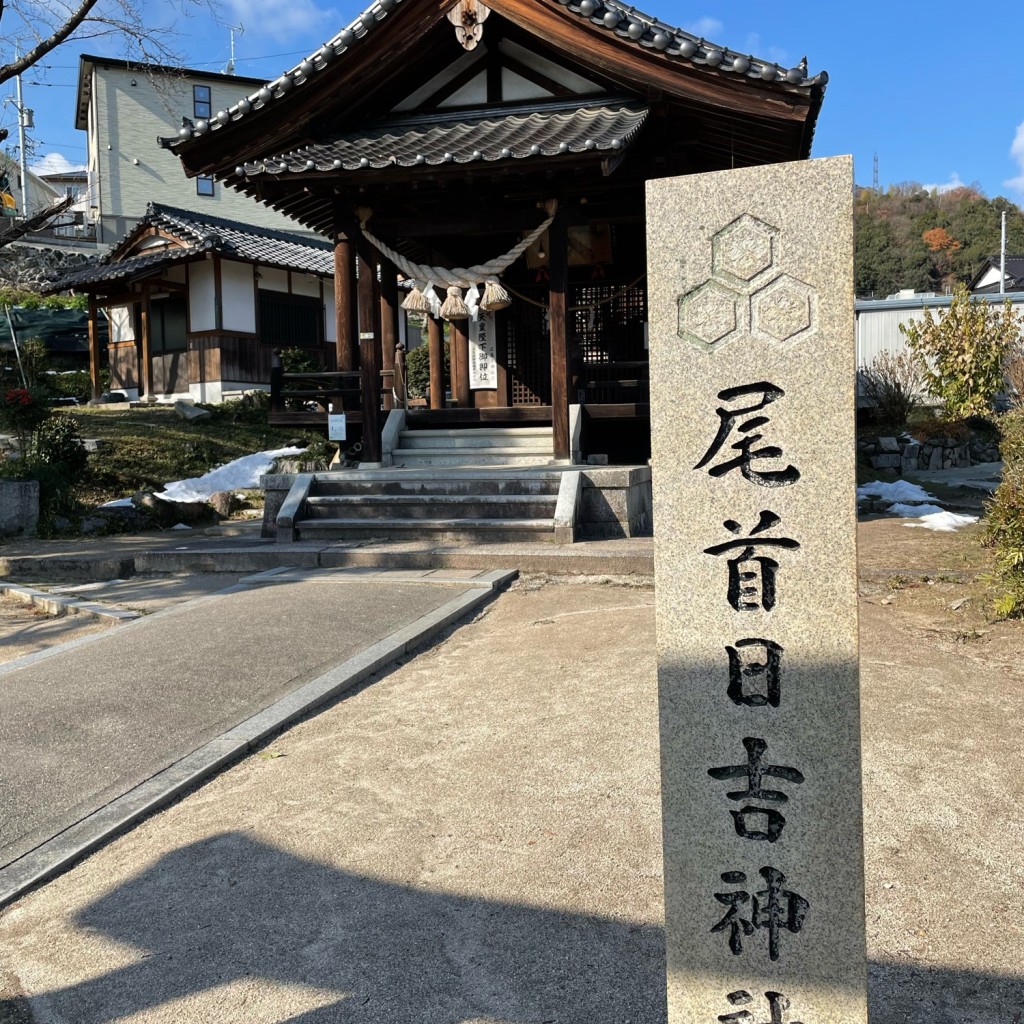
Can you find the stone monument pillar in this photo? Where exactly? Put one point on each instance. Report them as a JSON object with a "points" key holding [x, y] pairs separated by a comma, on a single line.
{"points": [[752, 407]]}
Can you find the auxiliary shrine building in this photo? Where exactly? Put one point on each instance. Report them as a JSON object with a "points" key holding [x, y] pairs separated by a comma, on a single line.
{"points": [[484, 164]]}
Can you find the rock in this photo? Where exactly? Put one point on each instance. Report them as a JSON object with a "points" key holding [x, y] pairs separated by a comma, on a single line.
{"points": [[888, 444], [935, 460], [224, 503], [885, 461], [188, 411], [161, 512], [910, 450], [112, 397], [192, 512], [959, 603], [92, 524], [93, 444]]}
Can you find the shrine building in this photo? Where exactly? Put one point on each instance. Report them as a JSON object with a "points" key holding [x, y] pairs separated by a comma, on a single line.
{"points": [[483, 166]]}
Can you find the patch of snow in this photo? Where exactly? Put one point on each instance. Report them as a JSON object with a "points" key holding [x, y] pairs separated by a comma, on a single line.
{"points": [[180, 526], [119, 503], [896, 490], [944, 522], [241, 473], [914, 511]]}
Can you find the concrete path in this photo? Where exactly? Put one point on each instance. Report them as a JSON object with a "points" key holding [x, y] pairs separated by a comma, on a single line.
{"points": [[86, 723]]}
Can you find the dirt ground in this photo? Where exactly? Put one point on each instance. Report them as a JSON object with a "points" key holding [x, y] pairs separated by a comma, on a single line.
{"points": [[24, 629], [524, 804]]}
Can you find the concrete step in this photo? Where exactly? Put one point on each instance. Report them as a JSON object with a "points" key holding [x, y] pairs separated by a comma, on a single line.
{"points": [[409, 506], [534, 439], [483, 432], [471, 457], [442, 531], [428, 483]]}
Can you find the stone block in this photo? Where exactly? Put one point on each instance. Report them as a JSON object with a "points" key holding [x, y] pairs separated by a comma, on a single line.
{"points": [[19, 508], [886, 461], [935, 459], [756, 597], [888, 444]]}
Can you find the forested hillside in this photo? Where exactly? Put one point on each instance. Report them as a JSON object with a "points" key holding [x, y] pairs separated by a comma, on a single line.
{"points": [[928, 241]]}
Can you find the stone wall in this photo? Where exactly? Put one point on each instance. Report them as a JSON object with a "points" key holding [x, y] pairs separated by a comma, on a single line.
{"points": [[30, 267], [904, 455]]}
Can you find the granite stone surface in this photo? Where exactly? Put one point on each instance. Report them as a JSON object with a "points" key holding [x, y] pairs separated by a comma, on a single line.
{"points": [[752, 405]]}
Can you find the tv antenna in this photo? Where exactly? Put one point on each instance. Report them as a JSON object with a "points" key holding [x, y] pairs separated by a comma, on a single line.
{"points": [[239, 28]]}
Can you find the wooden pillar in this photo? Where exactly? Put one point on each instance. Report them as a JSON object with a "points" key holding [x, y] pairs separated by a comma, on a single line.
{"points": [[147, 347], [369, 348], [435, 341], [460, 363], [559, 269], [388, 326], [345, 306], [94, 349]]}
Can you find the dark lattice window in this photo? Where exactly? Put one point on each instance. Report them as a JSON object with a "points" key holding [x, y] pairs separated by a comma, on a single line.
{"points": [[288, 320]]}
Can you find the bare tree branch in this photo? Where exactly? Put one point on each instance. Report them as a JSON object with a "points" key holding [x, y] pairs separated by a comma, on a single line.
{"points": [[44, 46], [35, 222]]}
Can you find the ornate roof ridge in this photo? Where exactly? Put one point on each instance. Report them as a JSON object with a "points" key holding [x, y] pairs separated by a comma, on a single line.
{"points": [[626, 22]]}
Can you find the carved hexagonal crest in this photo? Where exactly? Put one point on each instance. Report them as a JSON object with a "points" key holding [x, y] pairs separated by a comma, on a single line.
{"points": [[743, 251], [784, 311], [708, 315]]}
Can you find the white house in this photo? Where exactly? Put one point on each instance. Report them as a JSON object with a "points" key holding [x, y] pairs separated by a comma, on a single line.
{"points": [[17, 201], [123, 108], [196, 305]]}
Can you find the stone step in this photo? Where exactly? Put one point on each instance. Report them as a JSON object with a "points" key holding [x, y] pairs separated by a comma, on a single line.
{"points": [[475, 439], [481, 432], [442, 531], [471, 457], [426, 484], [407, 506]]}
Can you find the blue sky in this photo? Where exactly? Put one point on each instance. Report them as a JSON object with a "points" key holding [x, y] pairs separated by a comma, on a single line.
{"points": [[941, 100]]}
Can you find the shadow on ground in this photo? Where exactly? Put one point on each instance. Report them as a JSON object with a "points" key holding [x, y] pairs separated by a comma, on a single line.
{"points": [[229, 909]]}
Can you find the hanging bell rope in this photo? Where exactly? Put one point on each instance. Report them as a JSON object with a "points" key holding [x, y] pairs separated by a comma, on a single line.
{"points": [[495, 296]]}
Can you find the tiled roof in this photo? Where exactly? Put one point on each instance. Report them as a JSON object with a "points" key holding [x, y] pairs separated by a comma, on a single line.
{"points": [[465, 139], [261, 245], [626, 22], [201, 234], [1014, 274]]}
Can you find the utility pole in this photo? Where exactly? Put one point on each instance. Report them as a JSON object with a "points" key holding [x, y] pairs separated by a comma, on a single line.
{"points": [[24, 121], [874, 181], [1002, 258]]}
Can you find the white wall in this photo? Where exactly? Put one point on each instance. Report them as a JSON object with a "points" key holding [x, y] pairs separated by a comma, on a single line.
{"points": [[122, 323], [330, 320], [238, 296], [202, 309]]}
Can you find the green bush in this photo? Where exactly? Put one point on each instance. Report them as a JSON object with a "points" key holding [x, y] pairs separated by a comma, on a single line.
{"points": [[961, 353], [417, 370], [1006, 519], [58, 443]]}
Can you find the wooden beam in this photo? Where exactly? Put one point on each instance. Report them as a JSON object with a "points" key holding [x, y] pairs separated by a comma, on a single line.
{"points": [[147, 348], [94, 349], [388, 326], [369, 348], [435, 341], [345, 303], [558, 267], [460, 363]]}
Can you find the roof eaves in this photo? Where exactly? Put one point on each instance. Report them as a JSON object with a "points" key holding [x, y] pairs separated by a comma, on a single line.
{"points": [[626, 22]]}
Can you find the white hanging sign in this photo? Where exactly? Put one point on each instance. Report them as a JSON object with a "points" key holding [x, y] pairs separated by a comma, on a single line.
{"points": [[483, 356], [336, 426]]}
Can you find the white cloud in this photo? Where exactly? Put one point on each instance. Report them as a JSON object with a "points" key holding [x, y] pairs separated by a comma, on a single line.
{"points": [[1017, 152], [756, 47], [282, 18], [706, 28], [954, 182], [55, 163]]}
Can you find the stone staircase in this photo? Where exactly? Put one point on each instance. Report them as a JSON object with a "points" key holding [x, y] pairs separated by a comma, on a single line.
{"points": [[447, 506], [478, 446]]}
